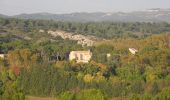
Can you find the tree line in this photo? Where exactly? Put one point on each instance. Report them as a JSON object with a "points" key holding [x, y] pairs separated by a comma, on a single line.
{"points": [[99, 29]]}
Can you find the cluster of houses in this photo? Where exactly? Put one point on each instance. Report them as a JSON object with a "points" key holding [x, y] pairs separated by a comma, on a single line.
{"points": [[85, 56], [80, 56], [81, 39]]}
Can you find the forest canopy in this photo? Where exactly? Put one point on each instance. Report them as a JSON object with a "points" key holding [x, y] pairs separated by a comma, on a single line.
{"points": [[29, 70]]}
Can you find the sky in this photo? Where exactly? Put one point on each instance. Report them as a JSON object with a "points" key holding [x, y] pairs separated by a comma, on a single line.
{"points": [[14, 7]]}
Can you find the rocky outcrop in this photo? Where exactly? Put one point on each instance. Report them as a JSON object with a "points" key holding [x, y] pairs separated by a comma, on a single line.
{"points": [[81, 39]]}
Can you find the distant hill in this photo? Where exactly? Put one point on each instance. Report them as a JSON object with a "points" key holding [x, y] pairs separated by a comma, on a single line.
{"points": [[151, 15], [3, 16]]}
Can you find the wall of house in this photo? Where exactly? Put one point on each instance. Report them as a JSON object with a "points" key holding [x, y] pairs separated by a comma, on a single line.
{"points": [[80, 56]]}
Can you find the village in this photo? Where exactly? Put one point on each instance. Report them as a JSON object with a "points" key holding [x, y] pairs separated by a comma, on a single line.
{"points": [[79, 56], [81, 39]]}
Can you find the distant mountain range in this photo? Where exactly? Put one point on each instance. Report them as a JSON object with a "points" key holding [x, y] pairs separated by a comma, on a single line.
{"points": [[151, 15]]}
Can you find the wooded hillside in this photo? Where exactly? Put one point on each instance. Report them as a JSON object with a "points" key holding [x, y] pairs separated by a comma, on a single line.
{"points": [[28, 68]]}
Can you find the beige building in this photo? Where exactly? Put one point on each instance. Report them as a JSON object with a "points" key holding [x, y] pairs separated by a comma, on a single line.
{"points": [[80, 56], [133, 51], [41, 31], [108, 55], [2, 56]]}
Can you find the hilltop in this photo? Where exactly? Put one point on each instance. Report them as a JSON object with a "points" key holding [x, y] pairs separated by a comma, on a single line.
{"points": [[150, 15]]}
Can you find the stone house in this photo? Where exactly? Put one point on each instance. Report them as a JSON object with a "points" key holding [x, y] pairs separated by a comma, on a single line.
{"points": [[80, 56], [41, 31], [133, 50], [2, 56]]}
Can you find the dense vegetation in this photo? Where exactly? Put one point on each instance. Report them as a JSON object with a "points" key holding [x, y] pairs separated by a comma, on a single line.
{"points": [[29, 68], [99, 29]]}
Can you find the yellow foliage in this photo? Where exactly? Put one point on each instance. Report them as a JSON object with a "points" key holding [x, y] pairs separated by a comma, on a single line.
{"points": [[101, 66], [151, 74], [99, 77], [60, 64], [88, 78], [80, 75], [115, 79], [25, 55], [14, 58], [21, 58]]}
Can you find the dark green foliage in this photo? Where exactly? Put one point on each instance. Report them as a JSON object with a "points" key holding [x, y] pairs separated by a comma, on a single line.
{"points": [[99, 29]]}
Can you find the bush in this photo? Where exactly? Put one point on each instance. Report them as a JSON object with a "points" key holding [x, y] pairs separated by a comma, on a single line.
{"points": [[66, 96], [88, 94], [164, 94]]}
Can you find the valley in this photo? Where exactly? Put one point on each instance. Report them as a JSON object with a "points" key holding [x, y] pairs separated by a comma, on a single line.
{"points": [[40, 59]]}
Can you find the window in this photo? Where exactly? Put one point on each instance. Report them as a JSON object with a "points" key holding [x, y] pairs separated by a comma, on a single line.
{"points": [[81, 56], [76, 57]]}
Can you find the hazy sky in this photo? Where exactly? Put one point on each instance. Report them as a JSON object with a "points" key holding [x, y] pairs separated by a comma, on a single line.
{"points": [[13, 7]]}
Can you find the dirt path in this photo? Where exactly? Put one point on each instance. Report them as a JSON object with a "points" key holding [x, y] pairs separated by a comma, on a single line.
{"points": [[40, 98]]}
